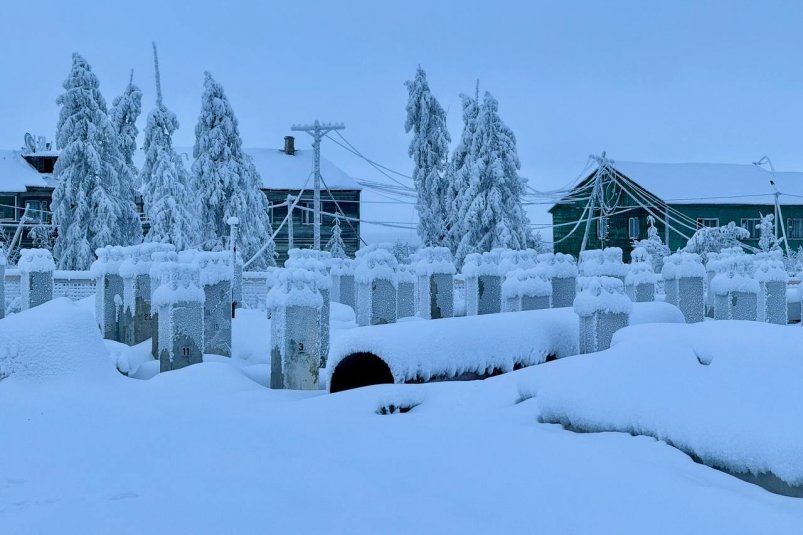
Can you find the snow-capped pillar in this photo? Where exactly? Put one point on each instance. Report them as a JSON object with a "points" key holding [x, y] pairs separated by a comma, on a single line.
{"points": [[435, 270], [526, 289], [603, 309], [295, 304], [377, 281], [2, 283], [712, 267], [640, 280], [36, 277], [180, 304], [216, 275], [109, 291], [483, 277], [318, 263], [561, 270], [772, 280], [236, 265], [735, 291], [603, 263], [161, 259], [342, 272], [405, 291], [136, 320], [691, 288]]}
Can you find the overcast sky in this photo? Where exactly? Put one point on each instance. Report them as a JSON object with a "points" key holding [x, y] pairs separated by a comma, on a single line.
{"points": [[650, 81]]}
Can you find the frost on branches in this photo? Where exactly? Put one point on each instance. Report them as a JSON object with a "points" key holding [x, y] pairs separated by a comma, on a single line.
{"points": [[491, 205], [715, 239], [125, 111], [459, 171], [228, 181], [166, 186], [335, 244], [92, 203], [429, 150], [654, 246], [767, 241]]}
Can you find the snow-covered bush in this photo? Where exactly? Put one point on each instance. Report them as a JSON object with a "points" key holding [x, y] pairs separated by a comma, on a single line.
{"points": [[716, 239], [654, 246]]}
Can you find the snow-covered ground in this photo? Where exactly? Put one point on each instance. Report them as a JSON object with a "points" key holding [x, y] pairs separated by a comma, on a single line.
{"points": [[207, 449]]}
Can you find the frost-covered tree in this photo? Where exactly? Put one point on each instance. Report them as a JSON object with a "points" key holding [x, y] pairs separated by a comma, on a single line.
{"points": [[491, 205], [335, 244], [402, 251], [767, 240], [167, 192], [91, 208], [654, 246], [429, 150], [228, 182], [126, 109], [715, 239], [42, 236], [459, 172]]}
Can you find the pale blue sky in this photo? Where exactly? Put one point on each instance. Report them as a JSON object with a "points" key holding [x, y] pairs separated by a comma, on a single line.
{"points": [[654, 81]]}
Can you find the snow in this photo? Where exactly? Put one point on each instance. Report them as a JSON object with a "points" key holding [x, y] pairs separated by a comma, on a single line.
{"points": [[530, 282], [16, 174], [295, 287], [178, 284], [734, 276], [483, 264], [725, 391], [35, 261], [65, 342], [434, 260], [214, 267], [710, 183], [601, 294], [97, 446], [602, 262], [281, 171], [376, 265]]}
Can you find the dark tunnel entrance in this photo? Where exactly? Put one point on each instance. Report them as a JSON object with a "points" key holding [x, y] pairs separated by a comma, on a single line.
{"points": [[357, 370]]}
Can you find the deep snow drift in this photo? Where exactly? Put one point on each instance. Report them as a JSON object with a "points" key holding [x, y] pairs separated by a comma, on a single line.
{"points": [[207, 449]]}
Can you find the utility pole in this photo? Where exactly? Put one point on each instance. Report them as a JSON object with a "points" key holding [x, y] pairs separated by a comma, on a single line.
{"points": [[290, 200], [778, 214], [596, 193], [317, 131]]}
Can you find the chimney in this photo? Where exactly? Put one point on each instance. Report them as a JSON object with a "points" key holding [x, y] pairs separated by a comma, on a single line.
{"points": [[289, 145]]}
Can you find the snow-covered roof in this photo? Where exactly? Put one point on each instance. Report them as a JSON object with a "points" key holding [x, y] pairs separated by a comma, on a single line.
{"points": [[16, 174], [282, 171], [711, 183]]}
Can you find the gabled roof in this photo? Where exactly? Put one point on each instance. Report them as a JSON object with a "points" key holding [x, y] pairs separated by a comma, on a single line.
{"points": [[277, 169], [16, 174], [710, 183]]}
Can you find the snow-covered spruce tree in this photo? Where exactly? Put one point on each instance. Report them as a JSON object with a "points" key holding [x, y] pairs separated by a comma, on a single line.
{"points": [[459, 173], [90, 208], [402, 251], [335, 244], [767, 240], [654, 246], [429, 150], [229, 183], [124, 113], [492, 206], [167, 192]]}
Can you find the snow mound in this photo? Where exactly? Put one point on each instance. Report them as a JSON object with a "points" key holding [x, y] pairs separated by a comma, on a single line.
{"points": [[726, 392], [55, 339]]}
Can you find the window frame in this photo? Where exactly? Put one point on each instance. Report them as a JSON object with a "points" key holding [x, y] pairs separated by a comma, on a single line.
{"points": [[631, 223], [307, 216], [756, 221], [701, 222], [790, 226]]}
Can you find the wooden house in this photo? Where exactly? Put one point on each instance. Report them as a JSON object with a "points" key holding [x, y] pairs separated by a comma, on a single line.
{"points": [[681, 198], [26, 181]]}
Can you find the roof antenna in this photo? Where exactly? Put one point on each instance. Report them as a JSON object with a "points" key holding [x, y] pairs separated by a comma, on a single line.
{"points": [[131, 78], [158, 80]]}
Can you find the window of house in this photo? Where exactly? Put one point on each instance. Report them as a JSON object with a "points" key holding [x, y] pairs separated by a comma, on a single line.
{"points": [[753, 226], [602, 228], [7, 207], [307, 216], [795, 229], [707, 222], [33, 210], [633, 228]]}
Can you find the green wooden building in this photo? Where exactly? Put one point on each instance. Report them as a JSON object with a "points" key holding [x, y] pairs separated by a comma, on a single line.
{"points": [[681, 198], [26, 182]]}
